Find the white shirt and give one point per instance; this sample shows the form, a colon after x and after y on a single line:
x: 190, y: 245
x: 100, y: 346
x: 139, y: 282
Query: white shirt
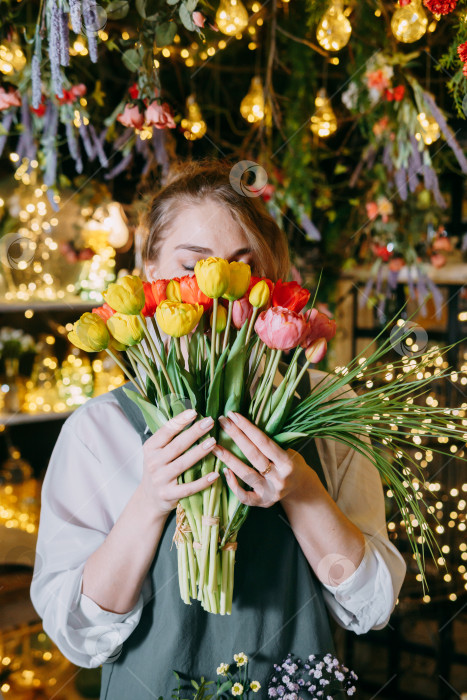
x: 95, y: 467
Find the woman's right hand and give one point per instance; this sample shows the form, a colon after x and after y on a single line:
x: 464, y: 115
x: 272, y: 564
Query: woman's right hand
x: 167, y: 456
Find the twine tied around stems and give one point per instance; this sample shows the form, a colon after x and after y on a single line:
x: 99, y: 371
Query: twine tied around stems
x: 210, y: 520
x: 230, y: 545
x: 182, y: 527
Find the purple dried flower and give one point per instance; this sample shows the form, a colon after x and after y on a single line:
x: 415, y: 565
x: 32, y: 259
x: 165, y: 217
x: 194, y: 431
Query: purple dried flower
x: 91, y: 24
x: 439, y: 199
x: 401, y: 183
x: 75, y: 15
x: 36, y: 70
x: 123, y: 165
x: 437, y: 297
x: 99, y: 148
x: 387, y: 160
x: 447, y: 132
x: 6, y: 124
x: 54, y: 47
x: 73, y: 146
x: 64, y: 39
x: 415, y: 152
x: 87, y: 143
x: 412, y: 173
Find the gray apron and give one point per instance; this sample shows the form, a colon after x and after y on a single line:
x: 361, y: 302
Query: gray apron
x: 277, y: 608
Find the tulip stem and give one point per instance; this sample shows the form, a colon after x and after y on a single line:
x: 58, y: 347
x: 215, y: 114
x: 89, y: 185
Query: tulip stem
x: 215, y: 303
x: 124, y: 370
x: 157, y: 332
x: 227, y: 327
x: 156, y: 353
x: 152, y: 376
x: 255, y: 366
x: 299, y: 377
x: 269, y: 386
x: 134, y: 364
x: 176, y: 342
x: 251, y: 325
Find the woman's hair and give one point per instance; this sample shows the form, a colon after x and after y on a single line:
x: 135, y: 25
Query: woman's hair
x: 192, y: 182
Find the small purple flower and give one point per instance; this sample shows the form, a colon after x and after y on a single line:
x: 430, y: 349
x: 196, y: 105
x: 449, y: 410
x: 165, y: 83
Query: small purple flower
x: 75, y: 15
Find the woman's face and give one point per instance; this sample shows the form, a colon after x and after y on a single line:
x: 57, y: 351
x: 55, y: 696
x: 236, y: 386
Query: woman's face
x: 198, y: 232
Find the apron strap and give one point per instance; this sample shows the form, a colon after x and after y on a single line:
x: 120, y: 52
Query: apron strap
x: 132, y: 411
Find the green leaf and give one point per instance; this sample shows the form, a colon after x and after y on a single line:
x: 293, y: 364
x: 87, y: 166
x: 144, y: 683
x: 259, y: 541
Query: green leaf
x: 147, y: 9
x: 191, y: 5
x: 131, y: 60
x: 215, y: 392
x: 288, y: 437
x: 234, y: 372
x: 3, y: 131
x: 165, y: 33
x: 172, y: 2
x: 185, y: 16
x: 153, y: 416
x: 117, y: 9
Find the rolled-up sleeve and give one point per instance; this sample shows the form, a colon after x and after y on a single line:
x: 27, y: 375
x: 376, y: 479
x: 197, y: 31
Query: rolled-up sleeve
x: 366, y: 599
x: 74, y: 522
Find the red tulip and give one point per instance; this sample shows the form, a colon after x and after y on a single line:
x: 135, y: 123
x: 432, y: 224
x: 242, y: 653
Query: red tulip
x: 318, y: 325
x: 159, y: 290
x: 191, y: 293
x: 105, y: 311
x: 150, y: 306
x: 280, y: 328
x: 290, y: 295
x: 241, y: 312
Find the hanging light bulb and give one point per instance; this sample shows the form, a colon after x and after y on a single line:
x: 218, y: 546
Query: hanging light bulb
x: 409, y: 23
x: 252, y: 105
x: 323, y: 121
x: 12, y: 59
x: 334, y: 30
x: 116, y: 224
x: 430, y: 131
x: 194, y: 126
x: 231, y: 17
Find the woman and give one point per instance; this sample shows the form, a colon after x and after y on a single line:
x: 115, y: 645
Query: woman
x: 105, y: 580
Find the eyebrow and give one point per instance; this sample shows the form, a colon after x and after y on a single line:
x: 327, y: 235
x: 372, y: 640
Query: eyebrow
x: 199, y: 249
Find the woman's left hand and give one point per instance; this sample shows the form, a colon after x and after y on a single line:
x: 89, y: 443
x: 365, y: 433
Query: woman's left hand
x: 277, y: 475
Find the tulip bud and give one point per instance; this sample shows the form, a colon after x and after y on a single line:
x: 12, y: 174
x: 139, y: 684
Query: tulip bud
x: 126, y: 295
x: 126, y: 328
x: 240, y: 275
x: 221, y: 320
x: 316, y: 351
x: 213, y: 276
x: 173, y: 291
x: 241, y: 312
x: 89, y: 333
x: 259, y: 295
x: 176, y: 318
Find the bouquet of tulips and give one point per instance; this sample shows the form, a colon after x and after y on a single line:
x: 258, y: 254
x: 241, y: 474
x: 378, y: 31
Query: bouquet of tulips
x: 236, y: 328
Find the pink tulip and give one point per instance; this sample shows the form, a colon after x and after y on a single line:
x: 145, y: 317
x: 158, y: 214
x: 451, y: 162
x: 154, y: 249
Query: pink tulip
x: 199, y: 19
x: 280, y: 328
x: 78, y: 90
x: 438, y: 260
x: 241, y: 312
x: 131, y: 116
x: 316, y: 351
x: 9, y: 99
x: 318, y: 325
x: 160, y: 116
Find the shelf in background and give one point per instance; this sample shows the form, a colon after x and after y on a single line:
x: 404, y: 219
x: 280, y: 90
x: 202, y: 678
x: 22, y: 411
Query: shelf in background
x: 68, y: 304
x: 23, y: 418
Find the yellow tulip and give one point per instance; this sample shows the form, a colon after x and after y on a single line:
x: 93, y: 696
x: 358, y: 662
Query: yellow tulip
x: 221, y: 320
x: 213, y: 276
x: 259, y: 295
x: 89, y: 333
x: 126, y: 295
x: 240, y: 275
x: 173, y: 292
x: 126, y: 328
x: 176, y: 318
